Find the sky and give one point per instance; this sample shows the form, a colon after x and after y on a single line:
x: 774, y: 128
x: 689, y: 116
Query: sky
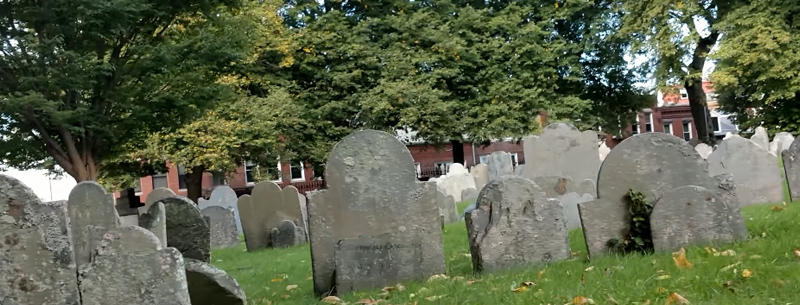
x: 47, y: 189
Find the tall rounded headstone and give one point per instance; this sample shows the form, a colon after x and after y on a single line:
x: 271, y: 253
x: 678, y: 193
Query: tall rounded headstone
x: 223, y: 196
x: 155, y: 195
x: 755, y: 171
x: 91, y: 214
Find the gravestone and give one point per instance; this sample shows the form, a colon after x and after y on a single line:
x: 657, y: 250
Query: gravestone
x: 187, y: 229
x: 569, y: 193
x: 91, y: 213
x: 447, y: 207
x: 519, y: 170
x: 373, y: 197
x: 515, y: 225
x: 791, y: 167
x: 209, y: 285
x: 155, y: 195
x: 223, y: 196
x: 456, y: 181
x: 651, y: 163
x: 253, y: 217
x: 130, y: 267
x: 499, y: 164
x: 481, y: 174
x: 563, y: 151
x: 704, y: 150
x: 603, y: 150
x: 781, y: 142
x: 761, y: 138
x: 304, y: 210
x: 728, y: 135
x: 223, y: 227
x: 287, y: 234
x: 469, y: 195
x: 274, y: 207
x: 155, y: 220
x: 37, y: 265
x: 755, y: 171
x: 291, y: 199
x: 691, y: 215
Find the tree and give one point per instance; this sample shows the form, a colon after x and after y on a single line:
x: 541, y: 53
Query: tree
x: 758, y: 64
x: 674, y: 34
x: 83, y: 83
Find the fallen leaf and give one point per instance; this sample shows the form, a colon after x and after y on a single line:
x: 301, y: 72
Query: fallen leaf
x: 710, y: 250
x: 574, y: 254
x: 458, y: 278
x: 777, y: 283
x: 729, y: 267
x: 437, y: 277
x: 675, y: 298
x: 277, y: 279
x: 331, y: 300
x: 527, y: 284
x: 291, y: 287
x: 746, y: 273
x: 663, y: 277
x: 310, y: 278
x: 285, y: 296
x: 520, y: 289
x: 368, y: 301
x: 434, y: 298
x: 472, y: 282
x: 581, y: 300
x: 755, y: 256
x: 661, y: 290
x: 796, y: 252
x: 541, y: 273
x: 612, y: 300
x: 400, y: 287
x: 777, y: 208
x: 589, y: 269
x: 728, y: 252
x: 727, y: 284
x: 680, y: 259
x: 583, y: 279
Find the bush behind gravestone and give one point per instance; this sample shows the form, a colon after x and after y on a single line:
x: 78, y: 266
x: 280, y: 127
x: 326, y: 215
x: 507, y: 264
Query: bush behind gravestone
x: 639, y: 237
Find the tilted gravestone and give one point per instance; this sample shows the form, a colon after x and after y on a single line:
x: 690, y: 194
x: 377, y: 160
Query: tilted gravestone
x: 91, y: 213
x: 692, y: 215
x: 130, y: 267
x: 155, y: 220
x: 651, y: 163
x: 223, y: 227
x: 755, y: 171
x: 155, y: 195
x: 373, y: 211
x: 187, y: 229
x: 515, y: 225
x: 287, y: 235
x: 223, y: 196
x: 291, y: 199
x: 481, y: 174
x: 791, y: 167
x: 761, y: 138
x: 208, y: 285
x: 38, y: 265
x: 499, y: 164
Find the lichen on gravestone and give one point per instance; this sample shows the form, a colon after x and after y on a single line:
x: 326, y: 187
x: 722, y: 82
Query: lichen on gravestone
x: 187, y: 229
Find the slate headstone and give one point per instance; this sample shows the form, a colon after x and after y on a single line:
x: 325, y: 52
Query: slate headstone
x: 373, y: 191
x: 209, y: 285
x: 37, y: 265
x: 761, y: 138
x: 287, y: 234
x: 91, y: 214
x: 223, y: 196
x: 469, y: 195
x: 499, y: 164
x: 755, y: 171
x: 274, y: 207
x: 791, y: 167
x: 515, y: 225
x: 155, y: 195
x: 187, y: 229
x: 155, y: 220
x: 130, y: 267
x: 223, y: 227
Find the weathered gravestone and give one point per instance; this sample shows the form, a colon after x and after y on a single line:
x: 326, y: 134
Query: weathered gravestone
x: 256, y: 233
x: 447, y: 207
x: 223, y: 196
x: 130, y: 267
x: 692, y: 215
x: 481, y: 174
x: 37, y: 265
x: 373, y: 211
x: 704, y: 150
x: 791, y: 166
x: 499, y: 164
x: 780, y: 143
x: 761, y: 138
x: 155, y: 195
x: 456, y: 181
x: 291, y: 200
x: 569, y: 193
x: 515, y: 225
x: 304, y: 210
x: 651, y: 163
x: 287, y: 234
x: 272, y: 207
x: 208, y: 285
x: 755, y: 171
x: 91, y: 214
x: 223, y: 227
x: 155, y: 220
x: 187, y: 229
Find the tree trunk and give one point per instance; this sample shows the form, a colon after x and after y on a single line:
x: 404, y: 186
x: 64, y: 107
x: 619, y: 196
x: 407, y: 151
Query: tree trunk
x: 194, y: 182
x: 694, y: 88
x: 458, y: 152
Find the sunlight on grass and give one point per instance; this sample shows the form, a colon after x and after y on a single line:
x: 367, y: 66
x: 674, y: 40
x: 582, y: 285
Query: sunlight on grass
x: 634, y: 279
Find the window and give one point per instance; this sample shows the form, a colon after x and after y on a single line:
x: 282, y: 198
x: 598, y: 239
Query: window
x: 668, y: 127
x: 443, y: 167
x: 648, y: 122
x: 418, y: 169
x: 297, y: 170
x: 249, y: 171
x: 514, y: 160
x: 715, y: 123
x: 160, y: 180
x: 181, y: 177
x: 483, y: 159
x: 635, y: 127
x: 218, y: 178
x: 712, y: 96
x: 687, y: 131
x: 684, y: 94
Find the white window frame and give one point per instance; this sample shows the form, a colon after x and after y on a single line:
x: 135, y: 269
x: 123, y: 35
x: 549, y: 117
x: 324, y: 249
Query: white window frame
x: 514, y: 159
x: 687, y: 128
x: 719, y: 126
x: 244, y: 165
x: 635, y: 129
x: 418, y: 169
x: 447, y: 165
x: 684, y: 94
x: 178, y: 168
x: 670, y: 127
x: 302, y: 172
x: 649, y: 115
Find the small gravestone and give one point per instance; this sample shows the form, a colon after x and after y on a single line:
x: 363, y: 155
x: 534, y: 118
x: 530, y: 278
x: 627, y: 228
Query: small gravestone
x: 499, y: 164
x: 223, y: 227
x: 515, y: 225
x: 457, y: 180
x: 130, y: 267
x: 91, y: 214
x: 563, y: 151
x: 223, y: 196
x: 704, y: 150
x: 481, y: 174
x: 692, y: 215
x: 155, y: 195
x: 761, y: 138
x: 755, y: 171
x: 209, y: 285
x: 291, y: 198
x: 287, y: 234
x: 37, y: 265
x: 187, y: 229
x: 373, y: 198
x: 447, y: 207
x: 791, y: 167
x: 155, y: 220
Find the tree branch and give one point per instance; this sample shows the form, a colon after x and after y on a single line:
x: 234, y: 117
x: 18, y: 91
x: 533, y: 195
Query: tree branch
x: 50, y: 145
x: 74, y: 155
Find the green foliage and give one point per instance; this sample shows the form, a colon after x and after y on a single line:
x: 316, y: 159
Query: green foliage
x: 639, y: 239
x: 758, y: 62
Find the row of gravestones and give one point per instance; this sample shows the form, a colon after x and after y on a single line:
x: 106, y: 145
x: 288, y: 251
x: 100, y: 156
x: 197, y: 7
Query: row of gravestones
x: 76, y: 252
x: 273, y: 218
x: 375, y: 224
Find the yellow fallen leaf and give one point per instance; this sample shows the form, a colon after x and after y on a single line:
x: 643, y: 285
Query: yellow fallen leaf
x: 368, y: 301
x: 680, y: 259
x: 331, y: 300
x: 796, y: 252
x: 581, y: 300
x: 310, y: 278
x: 541, y: 274
x: 458, y: 278
x: 612, y: 300
x: 755, y: 256
x: 285, y: 296
x: 675, y: 298
x: 710, y: 250
x: 777, y: 208
x: 291, y: 287
x: 589, y: 269
x: 434, y: 298
x: 729, y: 267
x: 400, y: 287
x: 661, y: 290
x: 437, y: 277
x: 520, y: 289
x: 728, y: 252
x: 746, y: 273
x: 663, y: 277
x: 277, y: 279
x: 472, y: 282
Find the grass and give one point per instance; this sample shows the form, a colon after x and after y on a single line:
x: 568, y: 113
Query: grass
x: 635, y: 279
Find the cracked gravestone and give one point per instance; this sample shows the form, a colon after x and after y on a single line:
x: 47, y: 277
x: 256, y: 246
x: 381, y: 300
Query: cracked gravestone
x: 187, y: 229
